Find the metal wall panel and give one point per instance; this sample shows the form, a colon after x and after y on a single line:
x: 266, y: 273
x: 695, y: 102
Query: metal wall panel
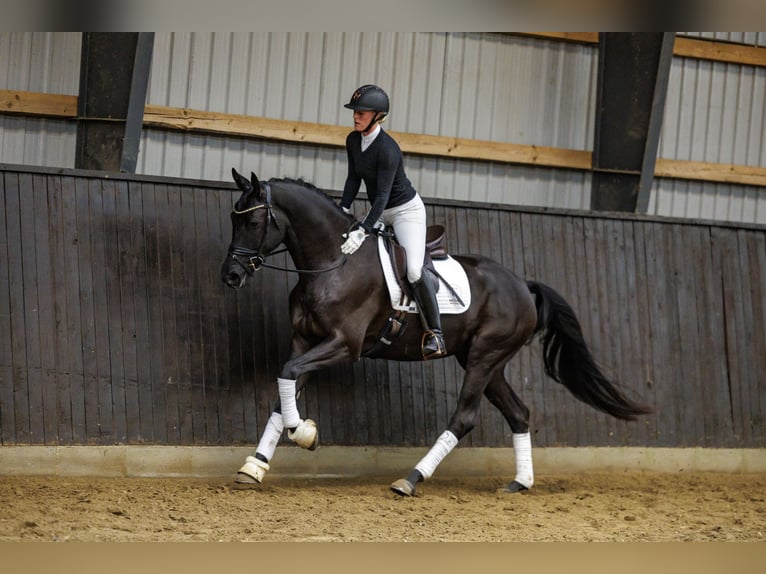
x: 481, y: 86
x: 749, y: 38
x: 715, y: 112
x: 45, y: 62
x: 486, y: 86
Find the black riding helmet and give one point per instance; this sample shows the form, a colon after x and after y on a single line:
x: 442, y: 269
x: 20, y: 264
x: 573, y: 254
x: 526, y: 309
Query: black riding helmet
x: 370, y: 98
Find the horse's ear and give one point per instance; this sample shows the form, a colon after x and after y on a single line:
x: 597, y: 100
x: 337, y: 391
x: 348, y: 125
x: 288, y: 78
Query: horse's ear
x: 241, y: 182
x: 256, y: 185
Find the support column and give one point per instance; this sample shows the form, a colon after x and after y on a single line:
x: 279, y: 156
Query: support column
x: 114, y: 76
x: 632, y: 85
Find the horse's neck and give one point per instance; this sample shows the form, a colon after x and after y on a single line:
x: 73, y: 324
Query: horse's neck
x: 315, y: 227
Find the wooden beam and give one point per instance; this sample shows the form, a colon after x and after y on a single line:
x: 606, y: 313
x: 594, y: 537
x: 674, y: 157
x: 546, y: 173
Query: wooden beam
x: 685, y: 47
x: 580, y: 37
x: 720, y: 52
x: 37, y: 104
x: 713, y: 172
x: 65, y: 107
x: 324, y: 134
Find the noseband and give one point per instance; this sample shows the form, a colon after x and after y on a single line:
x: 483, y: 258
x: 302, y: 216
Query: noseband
x: 255, y: 258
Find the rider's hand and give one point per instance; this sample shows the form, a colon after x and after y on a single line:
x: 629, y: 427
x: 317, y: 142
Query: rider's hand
x: 354, y: 241
x: 346, y: 210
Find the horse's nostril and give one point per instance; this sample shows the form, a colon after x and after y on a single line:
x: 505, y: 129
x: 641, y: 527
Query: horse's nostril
x: 233, y: 279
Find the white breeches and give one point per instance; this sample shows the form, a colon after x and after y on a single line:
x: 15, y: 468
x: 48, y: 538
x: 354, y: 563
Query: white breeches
x: 409, y: 223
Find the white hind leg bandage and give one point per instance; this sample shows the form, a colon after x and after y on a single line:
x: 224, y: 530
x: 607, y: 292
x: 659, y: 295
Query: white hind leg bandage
x: 522, y: 448
x: 271, y: 435
x: 290, y: 416
x: 439, y: 451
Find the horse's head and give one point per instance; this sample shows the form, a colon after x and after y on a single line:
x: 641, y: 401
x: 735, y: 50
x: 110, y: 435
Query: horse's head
x: 255, y: 231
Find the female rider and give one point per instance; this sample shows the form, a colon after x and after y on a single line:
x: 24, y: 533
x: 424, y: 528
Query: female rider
x: 375, y: 158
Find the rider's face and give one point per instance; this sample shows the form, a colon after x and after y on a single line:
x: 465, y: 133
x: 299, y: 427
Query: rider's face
x: 362, y: 119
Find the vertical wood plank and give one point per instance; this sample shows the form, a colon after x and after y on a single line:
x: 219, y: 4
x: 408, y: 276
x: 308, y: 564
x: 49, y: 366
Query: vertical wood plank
x: 757, y: 253
x: 140, y: 245
x: 112, y: 378
x: 646, y: 331
x: 7, y: 416
x: 31, y: 306
x: 62, y: 372
x: 183, y: 219
x: 126, y: 401
x: 47, y: 424
x: 13, y: 398
x: 154, y: 427
x: 87, y: 306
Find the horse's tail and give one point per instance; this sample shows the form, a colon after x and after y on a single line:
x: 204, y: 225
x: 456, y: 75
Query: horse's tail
x: 568, y: 360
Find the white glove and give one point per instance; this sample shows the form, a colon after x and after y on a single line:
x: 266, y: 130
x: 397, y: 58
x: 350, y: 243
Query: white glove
x: 346, y: 210
x: 354, y: 241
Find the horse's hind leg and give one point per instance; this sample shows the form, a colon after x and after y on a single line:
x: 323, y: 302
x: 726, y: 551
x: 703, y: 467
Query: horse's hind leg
x: 502, y: 396
x: 462, y: 422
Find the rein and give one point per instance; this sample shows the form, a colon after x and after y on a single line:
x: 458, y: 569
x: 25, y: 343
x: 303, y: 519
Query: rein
x: 255, y: 258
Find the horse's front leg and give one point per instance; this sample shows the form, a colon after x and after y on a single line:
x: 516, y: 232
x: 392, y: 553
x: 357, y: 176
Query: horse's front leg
x: 331, y: 351
x: 303, y: 360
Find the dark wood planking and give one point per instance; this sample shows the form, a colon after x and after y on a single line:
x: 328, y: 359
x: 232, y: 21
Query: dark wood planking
x: 7, y: 415
x: 47, y: 306
x: 161, y: 287
x: 112, y: 374
x: 154, y: 421
x: 15, y: 411
x: 33, y: 284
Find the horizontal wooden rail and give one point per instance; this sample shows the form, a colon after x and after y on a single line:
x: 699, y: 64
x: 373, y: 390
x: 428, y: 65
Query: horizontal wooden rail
x: 62, y: 106
x: 684, y: 47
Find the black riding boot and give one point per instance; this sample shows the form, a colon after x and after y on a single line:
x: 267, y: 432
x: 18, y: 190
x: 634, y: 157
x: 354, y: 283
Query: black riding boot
x: 433, y: 341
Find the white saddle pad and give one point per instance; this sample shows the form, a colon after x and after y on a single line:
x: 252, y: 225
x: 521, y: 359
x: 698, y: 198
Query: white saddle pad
x: 448, y: 268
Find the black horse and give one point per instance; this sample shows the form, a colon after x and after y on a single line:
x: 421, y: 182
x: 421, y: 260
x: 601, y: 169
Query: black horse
x: 340, y: 305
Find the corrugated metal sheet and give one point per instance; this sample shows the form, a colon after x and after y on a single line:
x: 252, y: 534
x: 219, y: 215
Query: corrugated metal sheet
x: 485, y: 86
x: 749, y: 38
x: 39, y: 62
x: 480, y: 86
x: 715, y: 112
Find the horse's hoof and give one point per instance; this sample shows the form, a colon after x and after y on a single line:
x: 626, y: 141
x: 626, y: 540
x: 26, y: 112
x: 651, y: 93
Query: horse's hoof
x: 252, y: 471
x: 243, y: 478
x: 403, y: 487
x: 514, y: 486
x: 305, y: 435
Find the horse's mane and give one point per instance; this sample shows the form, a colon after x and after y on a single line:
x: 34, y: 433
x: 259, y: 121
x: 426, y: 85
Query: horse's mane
x: 300, y: 182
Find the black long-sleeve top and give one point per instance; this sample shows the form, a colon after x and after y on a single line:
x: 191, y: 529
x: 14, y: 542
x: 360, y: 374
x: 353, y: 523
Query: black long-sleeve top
x: 381, y: 167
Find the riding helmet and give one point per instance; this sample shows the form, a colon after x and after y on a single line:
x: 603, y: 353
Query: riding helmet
x: 369, y: 98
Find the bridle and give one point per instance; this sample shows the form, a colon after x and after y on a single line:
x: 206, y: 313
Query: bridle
x: 251, y: 260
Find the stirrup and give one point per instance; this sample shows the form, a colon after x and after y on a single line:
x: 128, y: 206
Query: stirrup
x: 440, y: 350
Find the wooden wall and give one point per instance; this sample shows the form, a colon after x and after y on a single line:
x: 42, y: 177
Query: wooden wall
x: 116, y: 329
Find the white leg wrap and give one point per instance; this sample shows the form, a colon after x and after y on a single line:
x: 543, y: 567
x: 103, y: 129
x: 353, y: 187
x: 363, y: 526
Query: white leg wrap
x: 439, y: 451
x: 290, y: 416
x: 271, y: 434
x: 522, y: 448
